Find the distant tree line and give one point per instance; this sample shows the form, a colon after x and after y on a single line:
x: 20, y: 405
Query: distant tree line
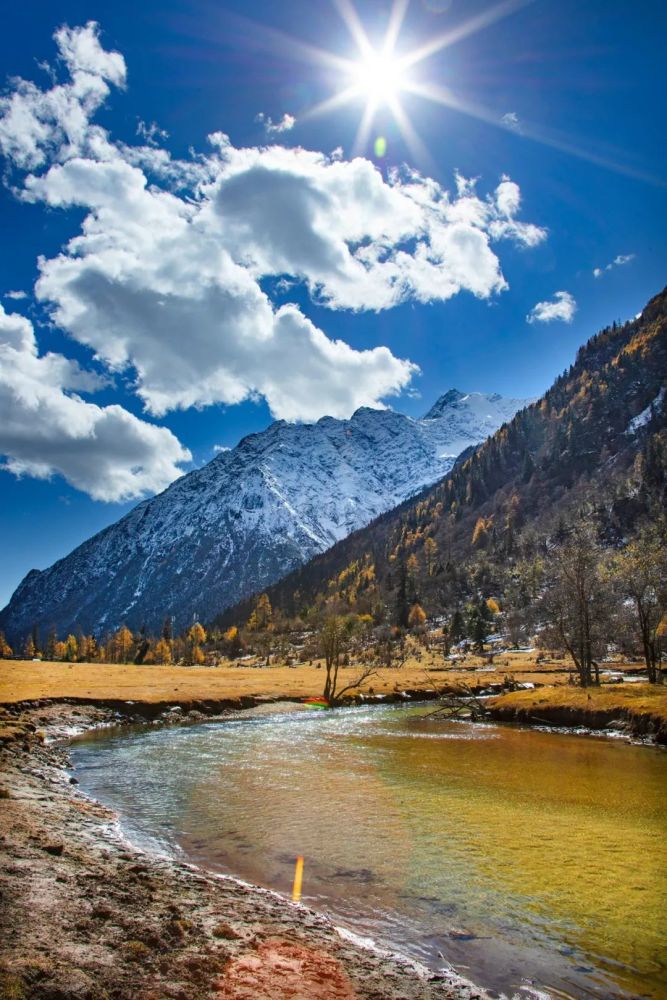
x: 575, y: 594
x: 119, y: 646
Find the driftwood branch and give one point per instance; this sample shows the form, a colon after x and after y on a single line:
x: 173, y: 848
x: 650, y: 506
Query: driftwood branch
x: 357, y: 682
x: 453, y: 706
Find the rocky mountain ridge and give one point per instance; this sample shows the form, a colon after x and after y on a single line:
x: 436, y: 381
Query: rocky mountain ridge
x: 249, y: 516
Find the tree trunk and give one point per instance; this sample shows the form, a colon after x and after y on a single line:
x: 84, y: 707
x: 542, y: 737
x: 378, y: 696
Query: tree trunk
x: 650, y: 657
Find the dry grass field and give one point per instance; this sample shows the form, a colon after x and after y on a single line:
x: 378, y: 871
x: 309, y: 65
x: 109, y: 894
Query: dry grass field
x: 23, y: 680
x: 631, y: 699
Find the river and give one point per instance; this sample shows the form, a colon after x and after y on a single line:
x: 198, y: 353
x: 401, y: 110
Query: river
x: 515, y: 855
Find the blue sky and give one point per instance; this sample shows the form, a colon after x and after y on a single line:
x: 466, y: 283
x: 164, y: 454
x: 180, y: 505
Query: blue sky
x: 563, y: 98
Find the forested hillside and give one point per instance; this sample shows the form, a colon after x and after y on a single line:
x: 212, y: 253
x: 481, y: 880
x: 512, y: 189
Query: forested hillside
x: 592, y: 450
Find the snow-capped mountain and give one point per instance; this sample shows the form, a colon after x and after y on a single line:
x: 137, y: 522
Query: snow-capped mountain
x: 249, y: 516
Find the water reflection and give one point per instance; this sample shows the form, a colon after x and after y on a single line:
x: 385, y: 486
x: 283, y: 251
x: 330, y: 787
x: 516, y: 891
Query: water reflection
x: 508, y: 852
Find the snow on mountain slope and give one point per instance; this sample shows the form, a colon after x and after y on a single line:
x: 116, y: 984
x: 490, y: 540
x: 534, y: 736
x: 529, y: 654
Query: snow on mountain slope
x: 249, y: 516
x: 471, y: 414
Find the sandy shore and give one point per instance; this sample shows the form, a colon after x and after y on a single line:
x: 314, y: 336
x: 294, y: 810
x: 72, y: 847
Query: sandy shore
x: 84, y: 916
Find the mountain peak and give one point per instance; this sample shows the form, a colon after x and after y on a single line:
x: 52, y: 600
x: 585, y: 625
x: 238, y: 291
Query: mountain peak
x: 449, y: 399
x: 250, y: 516
x: 484, y: 410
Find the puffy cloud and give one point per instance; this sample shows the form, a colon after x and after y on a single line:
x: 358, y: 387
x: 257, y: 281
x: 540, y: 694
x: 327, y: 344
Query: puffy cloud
x: 164, y: 279
x: 37, y: 124
x: 150, y: 265
x: 508, y: 197
x: 151, y: 285
x: 80, y: 49
x: 334, y: 225
x: 286, y: 123
x: 348, y: 378
x: 505, y: 225
x: 618, y: 261
x: 359, y: 241
x: 562, y: 307
x: 46, y: 429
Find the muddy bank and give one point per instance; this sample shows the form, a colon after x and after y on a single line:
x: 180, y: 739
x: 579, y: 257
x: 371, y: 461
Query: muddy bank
x: 84, y: 916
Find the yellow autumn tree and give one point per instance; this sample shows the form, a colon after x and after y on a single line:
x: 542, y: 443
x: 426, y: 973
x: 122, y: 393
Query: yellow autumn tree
x: 233, y: 642
x: 123, y: 642
x: 430, y: 555
x: 416, y: 617
x: 262, y: 614
x: 481, y: 531
x: 412, y: 566
x: 5, y: 649
x: 195, y: 638
x: 197, y: 634
x: 86, y: 648
x: 71, y: 648
x: 162, y: 652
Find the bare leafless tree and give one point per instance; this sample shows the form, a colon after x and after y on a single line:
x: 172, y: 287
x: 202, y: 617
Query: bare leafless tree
x: 335, y: 635
x: 576, y: 603
x: 639, y: 574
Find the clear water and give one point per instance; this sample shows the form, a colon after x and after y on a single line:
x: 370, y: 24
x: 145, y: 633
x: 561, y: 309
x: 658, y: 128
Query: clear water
x: 514, y: 855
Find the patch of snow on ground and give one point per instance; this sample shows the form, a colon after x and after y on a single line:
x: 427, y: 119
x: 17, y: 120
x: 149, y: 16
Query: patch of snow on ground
x: 643, y: 418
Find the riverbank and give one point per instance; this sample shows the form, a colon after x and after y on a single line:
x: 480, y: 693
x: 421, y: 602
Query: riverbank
x: 540, y: 693
x: 638, y: 709
x: 84, y: 915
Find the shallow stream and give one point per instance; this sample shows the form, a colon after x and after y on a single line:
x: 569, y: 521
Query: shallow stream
x: 515, y: 855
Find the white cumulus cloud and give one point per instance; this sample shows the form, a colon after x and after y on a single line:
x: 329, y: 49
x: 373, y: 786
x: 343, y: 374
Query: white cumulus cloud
x: 36, y: 124
x: 80, y: 49
x: 167, y: 278
x: 47, y: 429
x: 562, y: 307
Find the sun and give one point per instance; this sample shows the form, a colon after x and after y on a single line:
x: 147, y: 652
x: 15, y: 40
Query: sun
x: 379, y: 77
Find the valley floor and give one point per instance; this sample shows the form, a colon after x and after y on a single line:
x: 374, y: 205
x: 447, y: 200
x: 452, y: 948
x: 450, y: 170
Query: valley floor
x: 424, y: 670
x: 84, y: 916
x: 548, y: 698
